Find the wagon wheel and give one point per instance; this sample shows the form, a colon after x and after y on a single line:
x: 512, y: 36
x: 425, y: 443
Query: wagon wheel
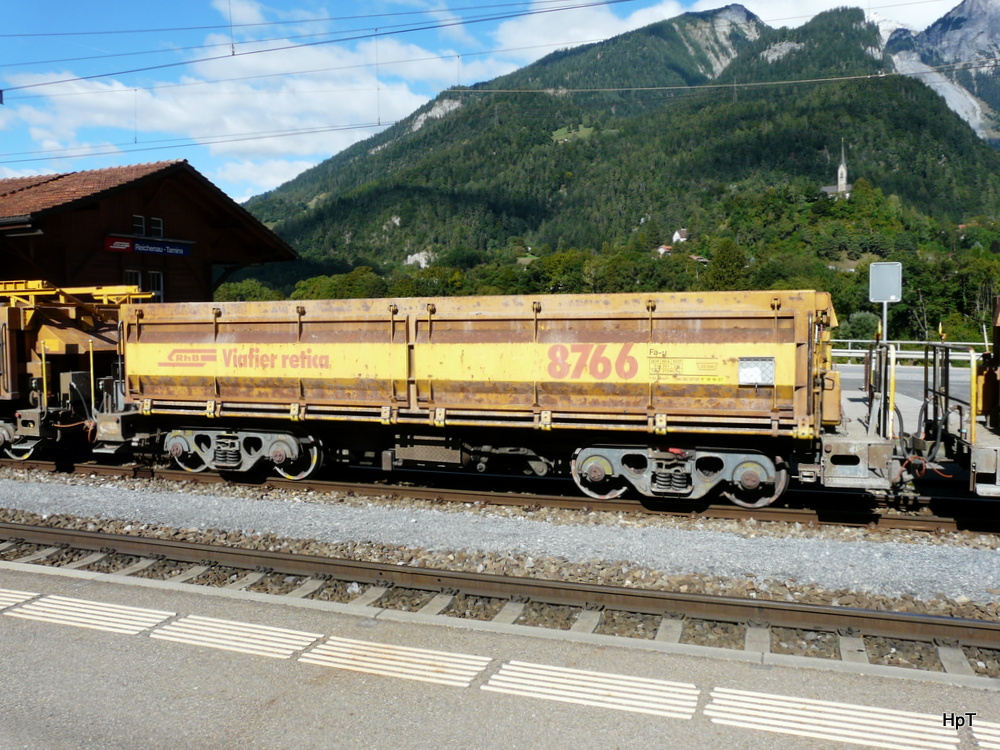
x: 598, y: 482
x: 20, y: 454
x: 760, y: 497
x: 611, y: 494
x: 302, y: 467
x: 191, y: 462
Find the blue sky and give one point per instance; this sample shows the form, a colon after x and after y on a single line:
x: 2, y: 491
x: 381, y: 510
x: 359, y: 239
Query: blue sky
x: 251, y: 94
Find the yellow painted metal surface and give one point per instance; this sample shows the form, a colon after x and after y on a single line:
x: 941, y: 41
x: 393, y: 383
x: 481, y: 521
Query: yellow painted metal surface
x: 63, y: 339
x: 659, y: 362
x: 46, y: 330
x: 600, y: 363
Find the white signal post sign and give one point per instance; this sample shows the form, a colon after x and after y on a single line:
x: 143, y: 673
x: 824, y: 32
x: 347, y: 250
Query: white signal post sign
x: 885, y: 285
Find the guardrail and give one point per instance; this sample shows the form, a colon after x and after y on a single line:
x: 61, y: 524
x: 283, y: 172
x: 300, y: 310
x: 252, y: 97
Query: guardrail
x: 917, y: 351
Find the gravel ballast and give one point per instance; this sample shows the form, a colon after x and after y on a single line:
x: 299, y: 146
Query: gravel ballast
x: 959, y: 576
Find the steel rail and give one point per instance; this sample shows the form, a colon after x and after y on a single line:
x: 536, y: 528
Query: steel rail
x: 805, y: 516
x: 981, y: 633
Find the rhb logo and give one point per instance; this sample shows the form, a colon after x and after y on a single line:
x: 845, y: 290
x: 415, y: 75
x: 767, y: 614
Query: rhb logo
x: 189, y: 358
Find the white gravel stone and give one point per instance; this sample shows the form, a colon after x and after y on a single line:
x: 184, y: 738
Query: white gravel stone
x: 920, y: 568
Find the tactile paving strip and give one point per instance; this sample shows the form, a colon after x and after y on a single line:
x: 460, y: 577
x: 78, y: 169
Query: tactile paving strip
x: 229, y: 635
x: 676, y: 700
x: 81, y: 613
x: 987, y: 734
x: 9, y: 597
x: 397, y: 661
x: 824, y: 720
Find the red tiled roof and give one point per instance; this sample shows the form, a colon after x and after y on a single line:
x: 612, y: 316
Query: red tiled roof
x: 24, y: 196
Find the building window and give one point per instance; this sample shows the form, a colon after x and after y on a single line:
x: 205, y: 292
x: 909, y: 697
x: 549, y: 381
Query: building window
x: 133, y: 277
x: 155, y: 285
x: 155, y: 227
x: 138, y: 225
x: 154, y: 282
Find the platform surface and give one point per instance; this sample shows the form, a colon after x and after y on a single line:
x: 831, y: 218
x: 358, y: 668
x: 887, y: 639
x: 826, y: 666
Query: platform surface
x: 171, y: 680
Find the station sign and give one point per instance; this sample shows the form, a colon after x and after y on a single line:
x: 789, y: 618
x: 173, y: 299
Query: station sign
x: 147, y: 246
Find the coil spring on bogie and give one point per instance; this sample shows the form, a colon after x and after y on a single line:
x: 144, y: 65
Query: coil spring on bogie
x: 227, y: 457
x: 673, y: 481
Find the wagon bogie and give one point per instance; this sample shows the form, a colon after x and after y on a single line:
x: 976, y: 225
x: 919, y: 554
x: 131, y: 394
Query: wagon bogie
x: 235, y: 449
x: 746, y: 477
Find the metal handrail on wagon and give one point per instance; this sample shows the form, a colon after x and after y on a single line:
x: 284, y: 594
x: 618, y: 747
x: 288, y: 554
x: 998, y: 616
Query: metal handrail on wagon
x: 940, y: 401
x: 880, y: 387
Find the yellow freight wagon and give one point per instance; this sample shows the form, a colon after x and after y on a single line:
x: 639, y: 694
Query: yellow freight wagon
x: 672, y: 394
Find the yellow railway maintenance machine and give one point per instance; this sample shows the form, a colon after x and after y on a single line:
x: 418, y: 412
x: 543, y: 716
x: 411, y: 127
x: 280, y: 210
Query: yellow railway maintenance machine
x: 58, y: 350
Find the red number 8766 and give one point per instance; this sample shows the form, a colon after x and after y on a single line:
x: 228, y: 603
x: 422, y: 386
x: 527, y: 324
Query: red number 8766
x: 592, y: 359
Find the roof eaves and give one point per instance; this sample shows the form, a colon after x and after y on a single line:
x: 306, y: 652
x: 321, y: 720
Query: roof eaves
x: 4, y: 220
x: 73, y: 201
x: 253, y: 222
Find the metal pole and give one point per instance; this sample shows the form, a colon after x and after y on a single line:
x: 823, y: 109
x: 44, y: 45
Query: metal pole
x: 885, y: 321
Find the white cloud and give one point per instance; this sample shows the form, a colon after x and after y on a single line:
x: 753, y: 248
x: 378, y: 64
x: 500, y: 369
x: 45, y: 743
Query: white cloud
x: 341, y: 91
x: 6, y: 172
x: 7, y: 118
x: 243, y: 11
x: 258, y: 176
x: 535, y: 33
x: 452, y: 27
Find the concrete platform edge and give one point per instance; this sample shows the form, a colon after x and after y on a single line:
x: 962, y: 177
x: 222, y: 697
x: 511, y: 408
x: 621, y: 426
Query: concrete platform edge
x: 684, y: 649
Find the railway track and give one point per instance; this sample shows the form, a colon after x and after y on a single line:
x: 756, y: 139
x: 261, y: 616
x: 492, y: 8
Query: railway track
x: 946, y: 635
x: 829, y: 508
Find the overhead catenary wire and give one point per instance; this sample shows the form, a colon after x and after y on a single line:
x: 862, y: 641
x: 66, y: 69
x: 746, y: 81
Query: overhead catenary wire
x: 305, y: 45
x: 688, y: 90
x: 311, y: 71
x: 557, y: 5
x: 292, y: 22
x: 354, y: 35
x: 212, y: 139
x: 394, y: 14
x: 171, y: 143
x: 944, y: 68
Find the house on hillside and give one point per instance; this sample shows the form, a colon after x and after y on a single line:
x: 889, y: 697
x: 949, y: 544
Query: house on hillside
x: 162, y: 226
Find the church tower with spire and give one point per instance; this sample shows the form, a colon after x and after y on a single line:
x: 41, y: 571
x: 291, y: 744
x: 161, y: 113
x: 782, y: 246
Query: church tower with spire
x: 843, y: 188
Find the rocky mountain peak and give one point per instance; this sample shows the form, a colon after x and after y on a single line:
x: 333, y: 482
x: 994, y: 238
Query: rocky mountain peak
x: 968, y: 33
x: 971, y: 30
x: 714, y: 34
x: 887, y: 27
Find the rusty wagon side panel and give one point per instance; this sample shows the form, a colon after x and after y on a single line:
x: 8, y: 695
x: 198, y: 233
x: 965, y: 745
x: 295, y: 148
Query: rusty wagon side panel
x: 729, y: 362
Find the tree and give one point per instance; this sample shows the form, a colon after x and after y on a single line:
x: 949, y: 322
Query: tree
x: 859, y: 326
x: 248, y: 290
x: 727, y: 268
x: 361, y: 283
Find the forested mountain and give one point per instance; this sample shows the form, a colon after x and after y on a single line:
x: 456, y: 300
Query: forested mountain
x: 583, y: 186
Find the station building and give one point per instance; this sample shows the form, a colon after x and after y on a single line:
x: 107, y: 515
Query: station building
x: 161, y: 226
